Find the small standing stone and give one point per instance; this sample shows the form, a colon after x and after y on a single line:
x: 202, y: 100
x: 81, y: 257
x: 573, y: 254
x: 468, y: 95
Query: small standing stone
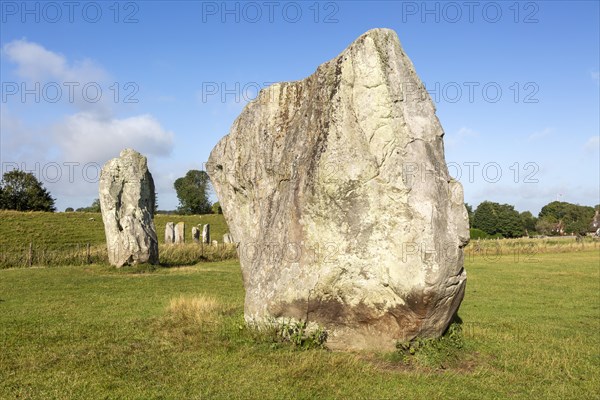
x: 206, y: 234
x: 195, y: 234
x: 227, y: 238
x: 215, y: 243
x: 170, y: 233
x: 180, y: 232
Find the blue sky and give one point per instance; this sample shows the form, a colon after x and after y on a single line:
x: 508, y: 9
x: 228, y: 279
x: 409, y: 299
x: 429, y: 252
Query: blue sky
x: 516, y: 85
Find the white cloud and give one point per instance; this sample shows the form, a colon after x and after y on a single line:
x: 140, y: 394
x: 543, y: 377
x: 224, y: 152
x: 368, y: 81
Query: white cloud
x: 36, y: 63
x: 80, y: 84
x: 540, y: 134
x: 89, y: 133
x: 463, y: 135
x: 92, y: 133
x: 593, y: 144
x: 85, y: 137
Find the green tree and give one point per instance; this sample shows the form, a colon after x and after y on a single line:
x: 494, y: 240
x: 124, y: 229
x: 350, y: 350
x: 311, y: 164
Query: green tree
x: 545, y: 225
x: 509, y: 221
x: 22, y: 191
x: 95, y: 207
x: 494, y: 218
x: 69, y: 209
x: 216, y: 208
x: 485, y: 217
x: 192, y: 192
x: 575, y: 218
x: 528, y: 221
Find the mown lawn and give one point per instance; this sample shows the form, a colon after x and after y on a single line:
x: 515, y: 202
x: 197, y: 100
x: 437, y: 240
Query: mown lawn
x: 531, y: 331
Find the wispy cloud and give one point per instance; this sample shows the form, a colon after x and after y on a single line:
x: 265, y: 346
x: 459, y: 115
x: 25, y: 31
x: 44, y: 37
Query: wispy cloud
x: 540, y: 134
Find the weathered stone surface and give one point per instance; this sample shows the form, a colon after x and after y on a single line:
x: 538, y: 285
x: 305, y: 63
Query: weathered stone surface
x: 180, y: 232
x: 127, y: 203
x: 337, y: 190
x: 214, y: 243
x: 169, y: 233
x: 196, y: 234
x: 206, y: 234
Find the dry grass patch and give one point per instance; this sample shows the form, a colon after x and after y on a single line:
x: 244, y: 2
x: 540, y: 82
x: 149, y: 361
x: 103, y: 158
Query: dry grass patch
x: 191, y: 321
x: 198, y: 310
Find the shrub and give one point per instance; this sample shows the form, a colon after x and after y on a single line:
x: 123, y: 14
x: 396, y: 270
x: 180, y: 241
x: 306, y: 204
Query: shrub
x: 478, y: 234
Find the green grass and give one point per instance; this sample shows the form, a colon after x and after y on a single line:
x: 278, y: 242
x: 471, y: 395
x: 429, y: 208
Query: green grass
x: 62, y: 238
x: 53, y: 230
x: 531, y: 330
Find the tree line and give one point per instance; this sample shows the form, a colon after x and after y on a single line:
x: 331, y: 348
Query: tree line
x: 556, y: 218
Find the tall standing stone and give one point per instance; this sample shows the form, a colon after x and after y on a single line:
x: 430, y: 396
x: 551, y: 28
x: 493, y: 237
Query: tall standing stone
x: 180, y: 233
x: 169, y: 233
x: 127, y: 201
x: 206, y: 234
x: 337, y: 190
x: 195, y: 234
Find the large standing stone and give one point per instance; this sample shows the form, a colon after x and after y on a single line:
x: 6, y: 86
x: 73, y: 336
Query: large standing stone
x: 127, y: 203
x: 169, y: 233
x: 180, y: 232
x: 337, y: 190
x: 206, y: 234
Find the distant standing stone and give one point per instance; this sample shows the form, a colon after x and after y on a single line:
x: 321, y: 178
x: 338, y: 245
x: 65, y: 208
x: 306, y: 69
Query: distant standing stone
x: 215, y: 243
x: 227, y: 238
x: 170, y: 233
x: 127, y: 197
x: 195, y: 234
x: 206, y: 234
x: 180, y: 233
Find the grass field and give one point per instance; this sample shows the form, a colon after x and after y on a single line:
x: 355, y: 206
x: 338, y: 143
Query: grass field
x: 62, y: 238
x: 18, y: 229
x: 531, y: 330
